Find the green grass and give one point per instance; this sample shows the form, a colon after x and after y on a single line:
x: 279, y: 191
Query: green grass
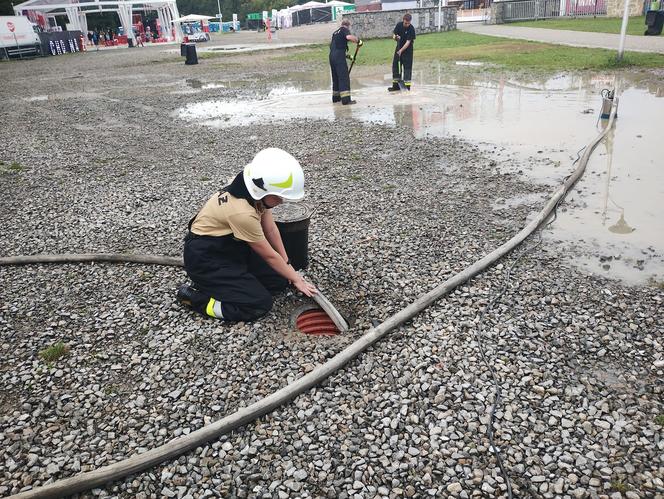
x: 211, y: 54
x: 660, y: 420
x: 635, y: 26
x: 54, y: 352
x: 500, y: 52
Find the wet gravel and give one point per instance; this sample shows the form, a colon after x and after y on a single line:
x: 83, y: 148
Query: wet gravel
x: 103, y: 165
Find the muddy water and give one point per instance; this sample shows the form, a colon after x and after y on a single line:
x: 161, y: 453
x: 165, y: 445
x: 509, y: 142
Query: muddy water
x: 612, y: 222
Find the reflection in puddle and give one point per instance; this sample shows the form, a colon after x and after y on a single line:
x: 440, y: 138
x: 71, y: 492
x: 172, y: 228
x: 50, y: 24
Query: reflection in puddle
x: 283, y: 90
x: 194, y: 83
x: 530, y: 127
x: 469, y: 63
x: 199, y: 85
x: 36, y: 98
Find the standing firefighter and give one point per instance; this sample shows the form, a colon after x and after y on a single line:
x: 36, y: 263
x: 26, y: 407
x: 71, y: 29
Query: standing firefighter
x: 234, y: 253
x: 402, y: 63
x: 340, y: 76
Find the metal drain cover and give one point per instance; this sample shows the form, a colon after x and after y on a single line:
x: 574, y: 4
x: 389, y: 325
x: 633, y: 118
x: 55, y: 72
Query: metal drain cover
x: 316, y: 322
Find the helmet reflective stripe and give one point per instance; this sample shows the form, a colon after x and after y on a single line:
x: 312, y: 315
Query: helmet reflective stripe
x: 274, y: 171
x: 213, y: 309
x: 286, y: 183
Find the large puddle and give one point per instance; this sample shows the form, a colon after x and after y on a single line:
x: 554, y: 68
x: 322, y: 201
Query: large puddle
x: 612, y: 223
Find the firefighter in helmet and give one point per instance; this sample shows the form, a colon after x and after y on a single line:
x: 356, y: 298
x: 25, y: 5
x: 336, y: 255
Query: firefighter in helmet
x: 233, y: 252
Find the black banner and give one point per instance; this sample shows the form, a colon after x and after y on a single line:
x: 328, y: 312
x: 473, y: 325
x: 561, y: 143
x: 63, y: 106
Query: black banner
x: 61, y: 42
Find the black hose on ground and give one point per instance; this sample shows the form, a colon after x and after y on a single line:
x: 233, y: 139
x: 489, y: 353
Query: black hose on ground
x: 180, y: 445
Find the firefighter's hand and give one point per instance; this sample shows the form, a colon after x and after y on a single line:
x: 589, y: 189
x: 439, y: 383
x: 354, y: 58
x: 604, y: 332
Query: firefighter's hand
x: 305, y: 287
x: 396, y: 37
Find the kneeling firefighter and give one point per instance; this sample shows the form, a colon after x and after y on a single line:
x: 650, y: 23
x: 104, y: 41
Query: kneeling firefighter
x: 233, y: 252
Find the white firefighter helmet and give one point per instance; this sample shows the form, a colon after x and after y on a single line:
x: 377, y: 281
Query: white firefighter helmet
x: 274, y: 171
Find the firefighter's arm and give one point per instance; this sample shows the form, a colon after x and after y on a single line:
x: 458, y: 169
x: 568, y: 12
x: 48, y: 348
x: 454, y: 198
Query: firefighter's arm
x: 277, y: 263
x: 354, y: 39
x: 405, y: 46
x: 272, y: 234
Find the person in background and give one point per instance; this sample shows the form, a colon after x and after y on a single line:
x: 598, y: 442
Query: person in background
x: 233, y: 252
x: 338, y: 66
x: 402, y: 62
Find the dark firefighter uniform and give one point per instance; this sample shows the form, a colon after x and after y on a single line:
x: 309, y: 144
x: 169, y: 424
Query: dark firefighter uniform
x: 340, y: 76
x: 403, y: 68
x: 233, y: 282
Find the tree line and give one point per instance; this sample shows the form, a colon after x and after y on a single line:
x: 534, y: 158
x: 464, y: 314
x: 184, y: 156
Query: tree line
x: 230, y: 7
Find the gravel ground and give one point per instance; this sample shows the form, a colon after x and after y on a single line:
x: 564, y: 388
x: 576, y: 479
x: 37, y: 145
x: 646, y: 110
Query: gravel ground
x: 102, y: 165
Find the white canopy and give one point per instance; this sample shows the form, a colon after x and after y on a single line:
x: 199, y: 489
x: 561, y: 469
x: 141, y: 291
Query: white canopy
x: 307, y: 6
x: 77, y: 10
x: 191, y: 18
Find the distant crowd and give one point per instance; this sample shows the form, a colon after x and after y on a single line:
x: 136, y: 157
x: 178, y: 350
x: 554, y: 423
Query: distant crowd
x: 107, y: 37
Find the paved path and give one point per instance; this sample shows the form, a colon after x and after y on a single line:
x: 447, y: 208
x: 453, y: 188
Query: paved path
x: 567, y: 37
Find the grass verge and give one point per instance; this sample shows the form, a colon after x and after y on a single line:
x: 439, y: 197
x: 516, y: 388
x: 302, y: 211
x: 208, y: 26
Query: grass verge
x: 635, y: 26
x: 503, y: 52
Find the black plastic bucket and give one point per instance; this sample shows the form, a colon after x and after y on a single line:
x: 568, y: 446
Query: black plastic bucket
x: 192, y: 58
x: 292, y: 220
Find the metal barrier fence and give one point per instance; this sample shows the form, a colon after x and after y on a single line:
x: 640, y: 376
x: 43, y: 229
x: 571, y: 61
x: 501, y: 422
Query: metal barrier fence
x: 522, y: 10
x: 576, y: 8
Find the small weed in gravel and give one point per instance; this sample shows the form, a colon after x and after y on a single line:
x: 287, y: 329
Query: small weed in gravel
x: 14, y: 167
x: 660, y: 420
x: 619, y: 486
x: 54, y: 352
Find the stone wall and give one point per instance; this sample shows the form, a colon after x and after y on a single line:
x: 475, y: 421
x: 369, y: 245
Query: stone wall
x: 495, y: 14
x: 614, y: 8
x: 380, y: 24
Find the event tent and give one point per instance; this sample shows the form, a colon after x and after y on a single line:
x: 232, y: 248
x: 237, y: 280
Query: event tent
x: 43, y: 11
x: 192, y: 18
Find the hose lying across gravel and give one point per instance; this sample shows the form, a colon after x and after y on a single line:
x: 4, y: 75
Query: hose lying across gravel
x: 178, y: 446
x: 92, y: 257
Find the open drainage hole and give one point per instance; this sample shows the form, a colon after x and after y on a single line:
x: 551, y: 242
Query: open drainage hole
x: 316, y: 322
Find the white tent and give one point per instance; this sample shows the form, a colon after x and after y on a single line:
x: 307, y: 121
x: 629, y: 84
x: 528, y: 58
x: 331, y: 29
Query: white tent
x: 284, y: 19
x: 336, y: 3
x: 77, y: 10
x: 307, y: 6
x: 192, y: 18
